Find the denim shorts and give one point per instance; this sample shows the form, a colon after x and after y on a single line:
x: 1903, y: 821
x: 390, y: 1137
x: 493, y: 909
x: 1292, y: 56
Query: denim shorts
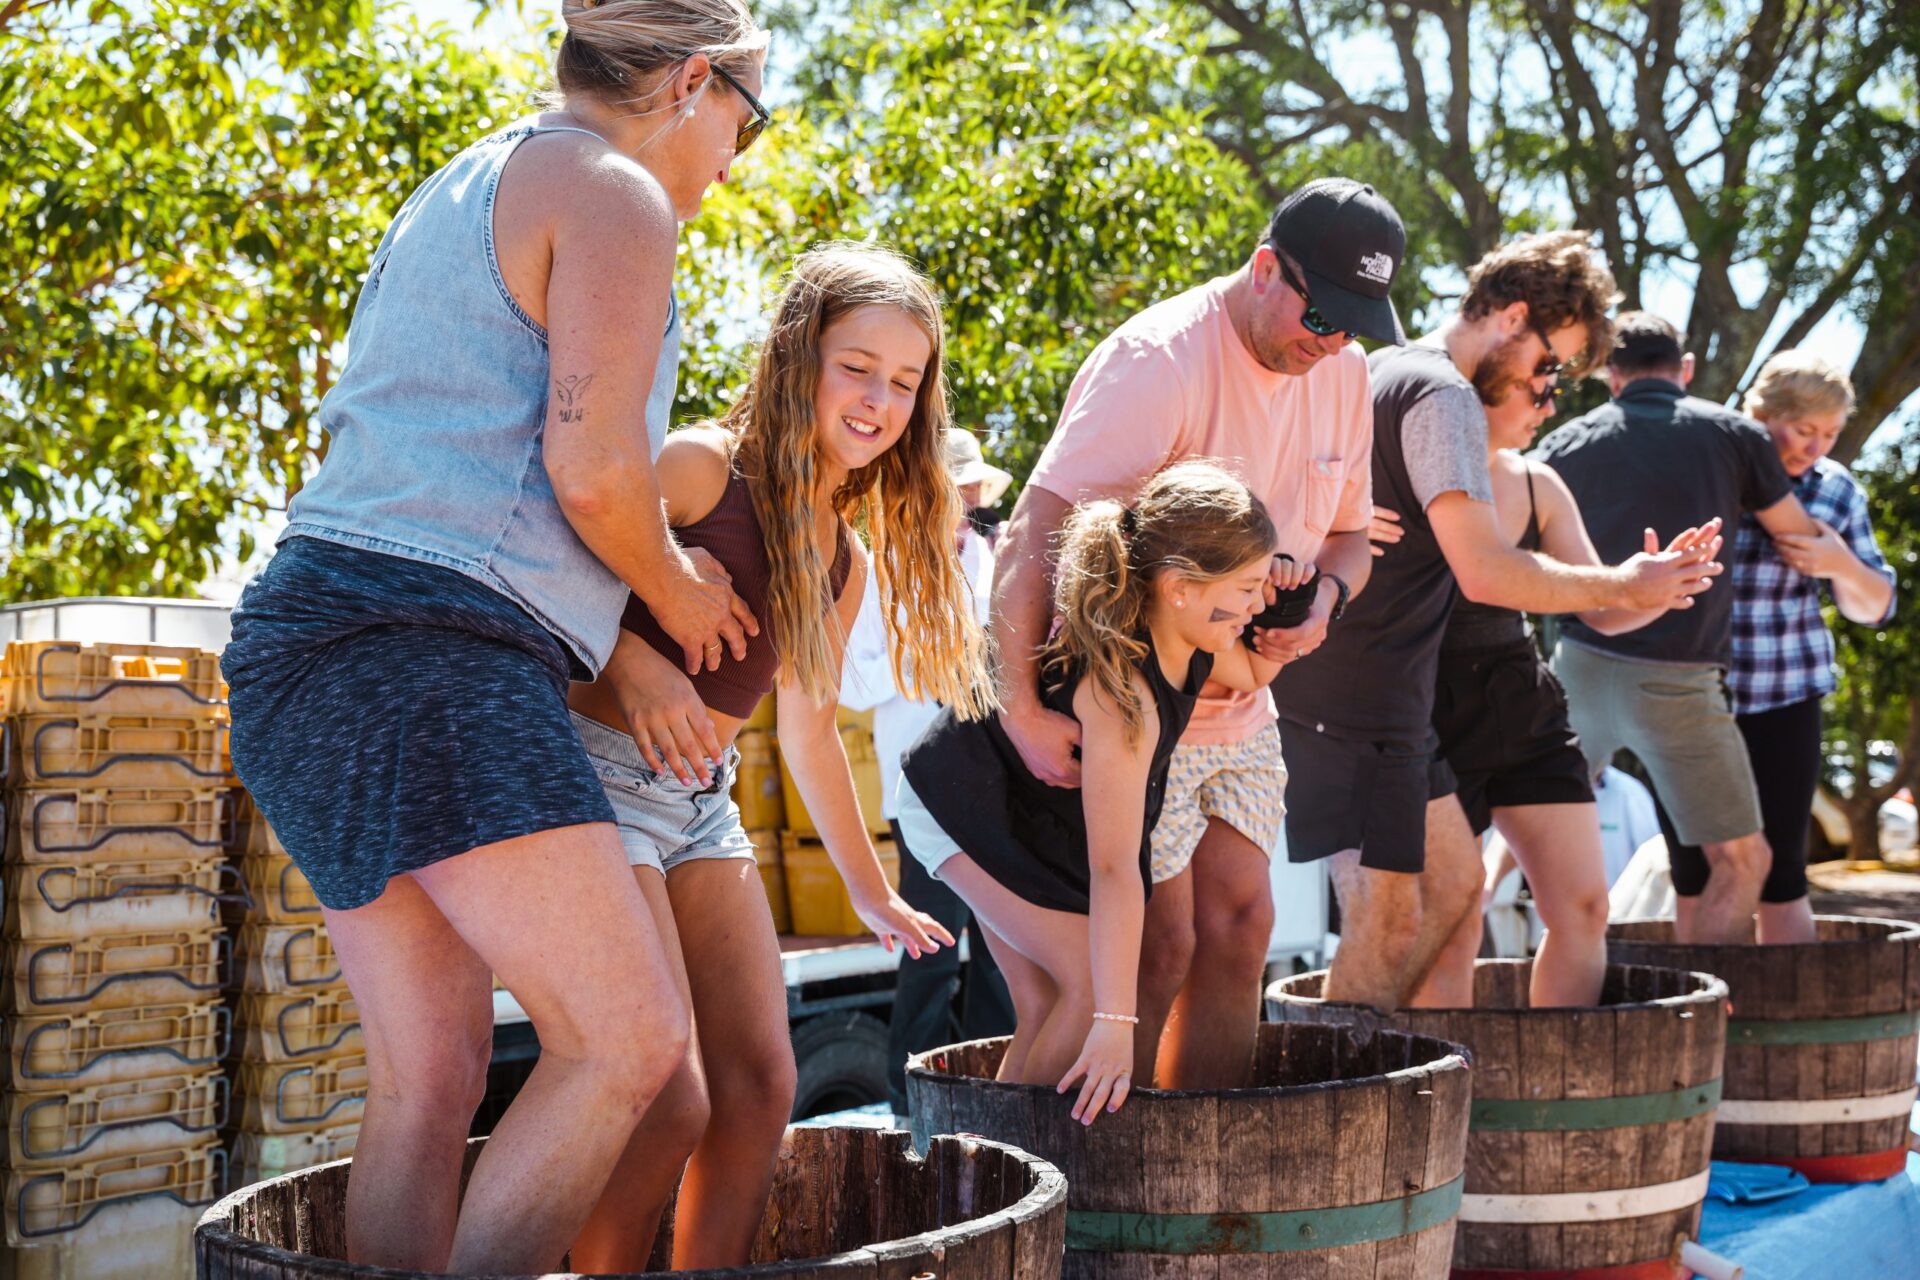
x: 664, y: 822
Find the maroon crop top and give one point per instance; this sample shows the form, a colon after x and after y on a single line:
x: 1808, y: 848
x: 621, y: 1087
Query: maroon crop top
x: 731, y: 532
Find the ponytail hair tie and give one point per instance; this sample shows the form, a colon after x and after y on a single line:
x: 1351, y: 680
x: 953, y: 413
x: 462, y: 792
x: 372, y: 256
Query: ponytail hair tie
x: 1129, y: 522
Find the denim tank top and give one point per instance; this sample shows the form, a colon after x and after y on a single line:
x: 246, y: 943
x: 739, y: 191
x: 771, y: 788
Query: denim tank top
x: 435, y: 424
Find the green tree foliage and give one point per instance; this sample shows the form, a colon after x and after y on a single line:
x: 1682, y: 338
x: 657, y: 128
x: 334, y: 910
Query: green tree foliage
x: 1768, y: 151
x: 1052, y: 176
x: 194, y: 188
x: 1878, y: 700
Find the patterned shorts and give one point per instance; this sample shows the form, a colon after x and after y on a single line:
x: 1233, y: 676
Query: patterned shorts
x: 1244, y: 784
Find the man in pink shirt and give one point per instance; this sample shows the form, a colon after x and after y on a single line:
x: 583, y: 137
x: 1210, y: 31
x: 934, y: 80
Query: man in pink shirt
x: 1256, y: 370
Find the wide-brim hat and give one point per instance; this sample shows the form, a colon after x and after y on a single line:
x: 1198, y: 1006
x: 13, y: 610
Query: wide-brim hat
x: 968, y: 464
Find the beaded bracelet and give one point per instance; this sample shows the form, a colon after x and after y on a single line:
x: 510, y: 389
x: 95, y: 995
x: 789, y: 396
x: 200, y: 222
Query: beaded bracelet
x: 1117, y: 1017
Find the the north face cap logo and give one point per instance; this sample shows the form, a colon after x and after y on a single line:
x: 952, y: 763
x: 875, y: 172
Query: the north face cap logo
x: 1377, y: 266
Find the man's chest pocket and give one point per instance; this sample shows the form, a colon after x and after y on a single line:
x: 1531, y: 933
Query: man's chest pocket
x: 1326, y: 478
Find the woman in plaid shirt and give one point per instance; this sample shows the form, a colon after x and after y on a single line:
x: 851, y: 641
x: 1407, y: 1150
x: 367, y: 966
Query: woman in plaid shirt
x: 1782, y: 651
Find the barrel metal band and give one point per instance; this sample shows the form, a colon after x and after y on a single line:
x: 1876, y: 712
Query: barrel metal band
x: 1586, y: 1206
x: 1289, y: 1231
x: 1535, y: 1115
x: 1875, y: 1026
x: 1883, y: 1106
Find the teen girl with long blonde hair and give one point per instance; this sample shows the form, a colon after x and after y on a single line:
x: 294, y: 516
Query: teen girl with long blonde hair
x: 843, y: 422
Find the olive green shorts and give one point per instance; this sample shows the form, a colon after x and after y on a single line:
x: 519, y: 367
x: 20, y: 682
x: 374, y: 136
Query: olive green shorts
x: 1676, y: 718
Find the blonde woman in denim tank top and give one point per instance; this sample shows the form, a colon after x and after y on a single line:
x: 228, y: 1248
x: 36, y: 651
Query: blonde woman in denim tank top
x: 399, y: 672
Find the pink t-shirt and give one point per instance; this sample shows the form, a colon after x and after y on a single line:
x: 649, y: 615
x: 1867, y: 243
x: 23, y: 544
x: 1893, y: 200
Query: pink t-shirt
x: 1175, y: 383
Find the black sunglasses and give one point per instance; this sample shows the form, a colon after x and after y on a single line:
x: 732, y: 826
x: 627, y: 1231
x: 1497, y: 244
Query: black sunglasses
x: 1549, y: 366
x: 753, y: 128
x: 1310, y: 318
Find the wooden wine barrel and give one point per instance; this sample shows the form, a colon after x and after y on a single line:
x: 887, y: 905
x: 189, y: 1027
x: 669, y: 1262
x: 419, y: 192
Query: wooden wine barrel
x: 848, y: 1204
x: 1588, y: 1151
x: 1344, y: 1160
x: 1820, y: 1046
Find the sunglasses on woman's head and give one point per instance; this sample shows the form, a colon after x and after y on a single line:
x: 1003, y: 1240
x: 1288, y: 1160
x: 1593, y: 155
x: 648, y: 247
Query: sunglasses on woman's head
x: 1310, y: 318
x: 753, y: 128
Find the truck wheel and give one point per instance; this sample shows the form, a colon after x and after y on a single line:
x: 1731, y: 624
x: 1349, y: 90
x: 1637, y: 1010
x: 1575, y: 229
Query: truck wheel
x: 841, y: 1060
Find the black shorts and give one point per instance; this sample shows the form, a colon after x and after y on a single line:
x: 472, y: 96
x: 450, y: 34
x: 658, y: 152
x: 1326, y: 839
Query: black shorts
x: 1784, y: 746
x: 1371, y: 796
x: 1501, y: 718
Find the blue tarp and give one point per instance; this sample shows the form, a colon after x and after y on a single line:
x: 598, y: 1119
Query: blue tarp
x: 1869, y: 1231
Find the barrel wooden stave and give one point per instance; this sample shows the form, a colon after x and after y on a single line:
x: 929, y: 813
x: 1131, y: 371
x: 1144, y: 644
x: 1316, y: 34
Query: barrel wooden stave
x: 1253, y: 1152
x: 1623, y: 1047
x: 971, y: 1210
x: 1860, y: 967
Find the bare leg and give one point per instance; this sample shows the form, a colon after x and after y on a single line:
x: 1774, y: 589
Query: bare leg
x: 1209, y: 1040
x: 619, y: 1233
x: 1034, y: 997
x: 1379, y: 914
x: 1056, y: 941
x: 1166, y: 956
x: 740, y: 1017
x: 1683, y: 916
x: 558, y: 916
x: 1440, y: 968
x: 1787, y: 922
x: 1558, y: 846
x: 1724, y: 910
x: 427, y: 1015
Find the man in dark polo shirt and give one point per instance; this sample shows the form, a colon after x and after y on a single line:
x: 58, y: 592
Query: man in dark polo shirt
x: 1356, y: 717
x: 1657, y: 454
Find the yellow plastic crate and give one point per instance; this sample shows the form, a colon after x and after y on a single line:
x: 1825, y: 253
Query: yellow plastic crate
x: 101, y: 1046
x: 43, y: 1204
x: 757, y: 786
x: 276, y: 892
x: 119, y: 824
x: 858, y: 742
x: 289, y: 1028
x: 284, y: 959
x: 773, y: 877
x: 123, y: 1118
x: 53, y: 902
x: 247, y: 833
x: 114, y: 971
x: 104, y: 749
x: 255, y: 1157
x: 816, y: 895
x: 287, y: 1097
x: 141, y: 1239
x: 60, y: 677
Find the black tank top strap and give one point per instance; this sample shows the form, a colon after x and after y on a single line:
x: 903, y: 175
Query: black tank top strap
x: 1530, y: 538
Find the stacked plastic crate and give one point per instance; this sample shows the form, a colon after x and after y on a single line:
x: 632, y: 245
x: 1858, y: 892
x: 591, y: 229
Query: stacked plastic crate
x: 299, y: 1064
x: 111, y: 959
x: 817, y: 901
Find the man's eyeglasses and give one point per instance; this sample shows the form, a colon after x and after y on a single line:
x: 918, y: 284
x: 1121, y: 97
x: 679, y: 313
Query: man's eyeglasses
x: 1310, y: 318
x: 753, y: 128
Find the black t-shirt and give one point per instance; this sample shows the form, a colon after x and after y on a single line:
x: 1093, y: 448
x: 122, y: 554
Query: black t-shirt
x: 1031, y: 837
x: 1373, y: 679
x: 1658, y: 458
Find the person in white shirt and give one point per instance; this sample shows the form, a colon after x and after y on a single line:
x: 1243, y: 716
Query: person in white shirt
x: 1627, y: 818
x: 923, y: 997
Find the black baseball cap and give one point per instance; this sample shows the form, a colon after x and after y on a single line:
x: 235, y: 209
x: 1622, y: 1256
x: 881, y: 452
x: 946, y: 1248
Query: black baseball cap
x: 1349, y: 242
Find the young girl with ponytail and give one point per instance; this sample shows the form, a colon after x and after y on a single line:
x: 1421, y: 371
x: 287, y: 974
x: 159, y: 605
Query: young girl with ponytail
x: 1152, y: 600
x: 844, y: 419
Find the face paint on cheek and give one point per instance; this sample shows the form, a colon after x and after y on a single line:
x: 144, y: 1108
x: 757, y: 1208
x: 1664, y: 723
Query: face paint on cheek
x: 1222, y: 615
